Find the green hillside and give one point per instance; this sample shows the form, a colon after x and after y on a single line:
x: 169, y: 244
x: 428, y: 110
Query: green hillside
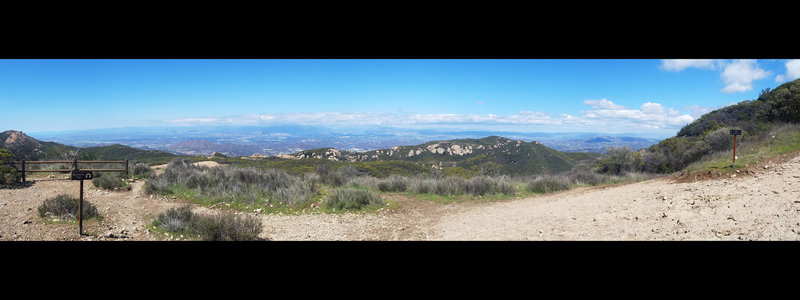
x: 464, y: 157
x: 710, y: 134
x: 28, y: 148
x: 779, y: 105
x: 120, y: 152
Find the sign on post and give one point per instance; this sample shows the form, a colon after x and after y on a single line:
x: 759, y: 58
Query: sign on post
x: 734, y: 133
x: 81, y: 175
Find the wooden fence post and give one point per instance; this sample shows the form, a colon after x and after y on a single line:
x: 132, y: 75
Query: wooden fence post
x: 23, y: 171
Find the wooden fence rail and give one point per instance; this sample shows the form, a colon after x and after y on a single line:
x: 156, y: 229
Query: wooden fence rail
x: 22, y: 163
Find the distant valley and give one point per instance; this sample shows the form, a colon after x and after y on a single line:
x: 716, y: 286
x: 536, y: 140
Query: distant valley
x: 275, y: 140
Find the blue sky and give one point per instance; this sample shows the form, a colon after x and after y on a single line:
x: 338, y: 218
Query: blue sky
x: 649, y: 97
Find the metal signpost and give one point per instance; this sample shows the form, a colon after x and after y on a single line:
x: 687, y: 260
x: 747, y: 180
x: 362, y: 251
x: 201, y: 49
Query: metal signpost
x: 734, y: 133
x: 80, y: 175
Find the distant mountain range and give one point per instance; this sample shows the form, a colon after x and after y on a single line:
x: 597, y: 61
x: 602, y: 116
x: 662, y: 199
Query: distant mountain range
x: 28, y: 148
x: 274, y: 140
x: 493, y: 153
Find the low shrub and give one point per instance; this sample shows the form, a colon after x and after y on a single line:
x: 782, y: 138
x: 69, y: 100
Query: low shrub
x: 328, y: 176
x: 585, y: 177
x: 350, y: 198
x: 420, y: 185
x: 109, y: 181
x: 548, y: 184
x: 65, y: 207
x: 227, y: 227
x: 484, y: 185
x: 175, y: 219
x: 139, y: 169
x: 295, y: 195
x: 8, y: 173
x: 367, y: 182
x: 393, y: 183
x: 222, y: 227
x: 448, y: 186
x: 242, y: 185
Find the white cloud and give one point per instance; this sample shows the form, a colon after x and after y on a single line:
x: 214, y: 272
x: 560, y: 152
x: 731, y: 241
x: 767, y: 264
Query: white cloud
x: 602, y: 104
x: 194, y: 120
x: 739, y: 75
x: 678, y: 65
x: 649, y: 115
x: 792, y: 71
x: 697, y: 110
x: 603, y: 115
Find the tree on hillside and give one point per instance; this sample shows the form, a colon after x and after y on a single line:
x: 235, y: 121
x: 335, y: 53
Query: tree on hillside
x: 620, y: 160
x: 8, y: 173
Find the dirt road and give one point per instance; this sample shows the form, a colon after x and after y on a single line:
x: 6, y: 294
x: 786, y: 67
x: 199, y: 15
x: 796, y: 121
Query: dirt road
x: 761, y: 206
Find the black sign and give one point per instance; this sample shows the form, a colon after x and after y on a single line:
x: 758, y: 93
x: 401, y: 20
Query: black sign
x: 736, y: 132
x: 82, y: 175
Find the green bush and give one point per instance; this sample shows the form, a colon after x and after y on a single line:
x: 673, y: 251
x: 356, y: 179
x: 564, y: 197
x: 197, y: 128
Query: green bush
x: 139, y: 169
x: 720, y: 139
x: 328, y: 176
x: 65, y: 207
x: 448, y: 186
x: 548, y: 184
x: 296, y: 195
x: 175, y: 219
x: 109, y: 181
x: 223, y: 227
x: 367, y: 182
x: 393, y: 183
x: 226, y: 227
x: 8, y: 173
x: 620, y: 160
x: 350, y: 198
x: 243, y: 185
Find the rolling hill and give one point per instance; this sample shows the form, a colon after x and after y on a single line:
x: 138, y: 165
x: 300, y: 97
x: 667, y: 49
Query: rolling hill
x: 709, y: 134
x: 28, y: 148
x: 491, y: 153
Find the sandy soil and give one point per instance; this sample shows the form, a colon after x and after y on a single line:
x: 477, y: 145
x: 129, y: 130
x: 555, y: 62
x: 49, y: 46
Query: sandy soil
x: 763, y: 205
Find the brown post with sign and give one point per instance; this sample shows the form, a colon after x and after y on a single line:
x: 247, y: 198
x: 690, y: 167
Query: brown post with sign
x: 734, y: 133
x: 734, y: 151
x: 80, y: 212
x: 80, y: 175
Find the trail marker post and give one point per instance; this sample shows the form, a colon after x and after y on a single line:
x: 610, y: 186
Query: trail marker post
x: 80, y: 175
x: 734, y: 133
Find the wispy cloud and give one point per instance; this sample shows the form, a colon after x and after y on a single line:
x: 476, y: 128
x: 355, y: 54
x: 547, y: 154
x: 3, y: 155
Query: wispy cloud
x: 602, y: 114
x: 697, y: 111
x: 739, y: 75
x: 678, y: 65
x: 194, y: 120
x: 648, y: 115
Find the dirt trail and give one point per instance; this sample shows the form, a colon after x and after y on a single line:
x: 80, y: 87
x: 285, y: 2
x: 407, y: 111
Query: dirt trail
x: 762, y: 206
